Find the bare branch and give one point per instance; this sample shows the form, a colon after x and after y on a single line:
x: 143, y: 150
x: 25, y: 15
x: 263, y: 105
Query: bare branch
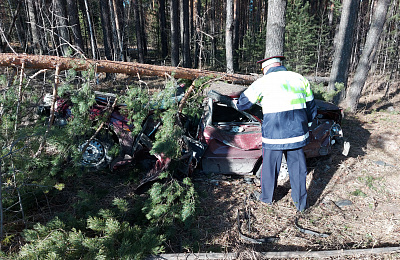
x: 52, y: 110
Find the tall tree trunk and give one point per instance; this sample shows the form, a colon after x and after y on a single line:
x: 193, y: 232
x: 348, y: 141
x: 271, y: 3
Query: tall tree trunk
x: 107, y: 33
x: 197, y: 33
x: 113, y: 30
x: 367, y: 56
x: 21, y: 26
x: 62, y: 26
x: 118, y: 15
x: 174, y: 8
x: 187, y: 62
x: 142, y: 27
x: 91, y: 30
x: 229, y: 36
x: 343, y: 46
x: 2, y: 45
x: 106, y: 27
x: 275, y: 36
x: 181, y: 25
x: 236, y: 28
x: 163, y: 29
x: 139, y: 40
x: 213, y: 34
x: 10, y: 28
x: 73, y: 19
x: 191, y: 22
x: 85, y: 28
x: 37, y: 49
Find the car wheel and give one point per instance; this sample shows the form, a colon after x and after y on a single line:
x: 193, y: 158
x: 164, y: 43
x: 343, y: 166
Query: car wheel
x: 95, y: 156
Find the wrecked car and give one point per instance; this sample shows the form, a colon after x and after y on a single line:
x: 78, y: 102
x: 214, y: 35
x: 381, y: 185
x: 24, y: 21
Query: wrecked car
x: 117, y: 130
x: 227, y: 141
x: 233, y: 137
x: 95, y: 148
x: 134, y: 149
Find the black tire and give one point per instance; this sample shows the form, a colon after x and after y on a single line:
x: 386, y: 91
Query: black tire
x: 96, y: 155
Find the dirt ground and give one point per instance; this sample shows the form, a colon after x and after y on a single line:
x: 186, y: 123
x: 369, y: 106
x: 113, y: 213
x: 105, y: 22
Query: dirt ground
x: 367, y: 180
x: 354, y: 199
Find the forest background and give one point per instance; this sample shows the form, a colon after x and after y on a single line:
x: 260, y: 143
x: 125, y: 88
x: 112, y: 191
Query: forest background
x: 322, y: 38
x: 178, y: 33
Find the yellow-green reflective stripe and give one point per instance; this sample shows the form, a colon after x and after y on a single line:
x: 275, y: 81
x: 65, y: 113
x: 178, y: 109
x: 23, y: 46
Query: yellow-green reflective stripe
x: 293, y: 89
x: 298, y: 101
x: 309, y: 93
x: 300, y: 90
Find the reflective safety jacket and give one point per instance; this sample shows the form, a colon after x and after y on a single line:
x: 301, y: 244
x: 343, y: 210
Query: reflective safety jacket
x: 288, y: 106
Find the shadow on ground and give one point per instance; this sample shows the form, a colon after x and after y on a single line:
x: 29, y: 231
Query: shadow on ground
x: 324, y: 168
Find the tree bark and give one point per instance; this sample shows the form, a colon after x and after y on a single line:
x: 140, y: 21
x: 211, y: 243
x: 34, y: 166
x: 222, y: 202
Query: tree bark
x: 7, y: 36
x: 62, y: 26
x: 367, y: 56
x: 174, y: 11
x: 91, y: 30
x: 275, y: 36
x: 2, y: 45
x: 343, y: 46
x: 163, y: 29
x: 106, y: 66
x: 21, y: 25
x: 236, y: 29
x: 119, y: 26
x: 187, y: 62
x: 106, y: 27
x: 197, y: 33
x: 37, y: 49
x: 73, y: 19
x: 229, y: 36
x: 138, y: 25
x: 113, y: 29
x: 142, y: 27
x: 213, y: 33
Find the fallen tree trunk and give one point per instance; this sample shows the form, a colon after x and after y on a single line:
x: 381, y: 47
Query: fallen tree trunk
x: 130, y: 68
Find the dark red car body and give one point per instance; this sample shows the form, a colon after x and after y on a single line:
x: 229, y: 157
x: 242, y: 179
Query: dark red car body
x: 227, y: 141
x: 234, y: 137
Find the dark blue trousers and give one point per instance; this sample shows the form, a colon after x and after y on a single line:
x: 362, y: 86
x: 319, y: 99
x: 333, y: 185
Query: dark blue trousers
x: 297, y: 173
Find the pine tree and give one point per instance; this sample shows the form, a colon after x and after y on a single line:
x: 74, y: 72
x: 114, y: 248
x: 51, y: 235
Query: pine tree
x: 300, y: 37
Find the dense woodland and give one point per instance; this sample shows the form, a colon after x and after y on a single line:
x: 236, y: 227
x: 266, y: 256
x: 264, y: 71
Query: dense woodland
x: 192, y: 33
x: 322, y: 38
x: 341, y: 41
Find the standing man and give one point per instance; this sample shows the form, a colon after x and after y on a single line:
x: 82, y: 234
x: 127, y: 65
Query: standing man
x: 288, y: 109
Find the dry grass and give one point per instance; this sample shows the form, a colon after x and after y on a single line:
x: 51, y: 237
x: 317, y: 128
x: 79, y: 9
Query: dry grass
x: 368, y: 177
